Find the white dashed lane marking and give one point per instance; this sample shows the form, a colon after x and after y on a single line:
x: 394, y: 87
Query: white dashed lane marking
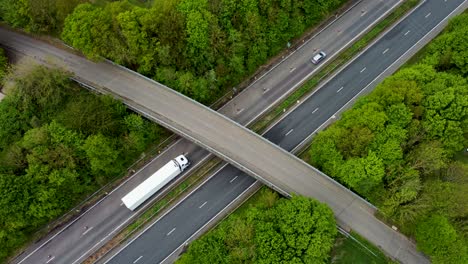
x: 87, y: 230
x: 233, y: 179
x: 136, y: 260
x: 170, y: 232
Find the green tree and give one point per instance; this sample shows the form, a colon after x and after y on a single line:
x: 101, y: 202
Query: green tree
x: 143, y: 48
x: 355, y: 142
x: 428, y: 157
x: 102, y: 155
x: 210, y: 249
x: 297, y: 231
x: 363, y: 174
x: 449, y: 51
x: 15, y: 12
x: 3, y: 64
x: 437, y: 237
x: 91, y: 29
x: 41, y: 16
x: 57, y: 142
x: 324, y: 154
x: 92, y: 115
x: 41, y: 91
x: 404, y: 188
x: 13, y: 122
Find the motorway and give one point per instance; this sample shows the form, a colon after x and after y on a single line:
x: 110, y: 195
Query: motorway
x: 171, y: 230
x: 74, y: 243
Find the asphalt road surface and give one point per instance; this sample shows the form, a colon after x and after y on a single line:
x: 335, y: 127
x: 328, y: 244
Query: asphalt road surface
x: 150, y: 247
x: 74, y: 242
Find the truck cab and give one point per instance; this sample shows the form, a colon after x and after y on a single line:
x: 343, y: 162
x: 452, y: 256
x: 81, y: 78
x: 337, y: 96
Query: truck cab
x: 183, y: 162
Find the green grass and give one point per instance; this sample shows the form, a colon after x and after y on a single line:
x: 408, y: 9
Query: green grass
x: 356, y: 250
x: 265, y: 197
x: 339, y: 61
x: 180, y: 189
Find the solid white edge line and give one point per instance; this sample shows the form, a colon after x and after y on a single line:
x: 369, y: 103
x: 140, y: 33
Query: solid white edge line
x: 209, y: 221
x: 330, y: 57
x: 97, y: 203
x: 378, y: 76
x: 144, y: 207
x: 302, y: 45
x: 317, y: 128
x: 342, y: 68
x: 168, y: 211
x: 385, y: 13
x: 272, y: 185
x: 168, y: 148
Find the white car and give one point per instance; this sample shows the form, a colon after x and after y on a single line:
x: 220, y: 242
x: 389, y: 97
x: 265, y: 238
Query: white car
x: 318, y: 57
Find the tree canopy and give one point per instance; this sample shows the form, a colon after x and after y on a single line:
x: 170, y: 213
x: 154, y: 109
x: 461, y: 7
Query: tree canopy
x: 59, y: 143
x: 199, y: 48
x: 299, y: 230
x: 399, y: 146
x: 40, y: 16
x: 3, y: 64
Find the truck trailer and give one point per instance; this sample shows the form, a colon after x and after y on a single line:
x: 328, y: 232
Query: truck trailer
x: 155, y: 182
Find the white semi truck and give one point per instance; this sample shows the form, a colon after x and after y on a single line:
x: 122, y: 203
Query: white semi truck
x: 155, y: 182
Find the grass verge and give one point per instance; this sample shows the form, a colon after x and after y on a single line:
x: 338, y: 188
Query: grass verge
x: 339, y: 61
x: 258, y: 126
x: 355, y: 249
x: 157, y: 208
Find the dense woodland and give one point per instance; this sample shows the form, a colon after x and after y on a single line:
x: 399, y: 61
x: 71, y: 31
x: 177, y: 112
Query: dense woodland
x: 3, y: 64
x: 403, y: 147
x: 198, y: 47
x: 58, y: 143
x: 272, y: 230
